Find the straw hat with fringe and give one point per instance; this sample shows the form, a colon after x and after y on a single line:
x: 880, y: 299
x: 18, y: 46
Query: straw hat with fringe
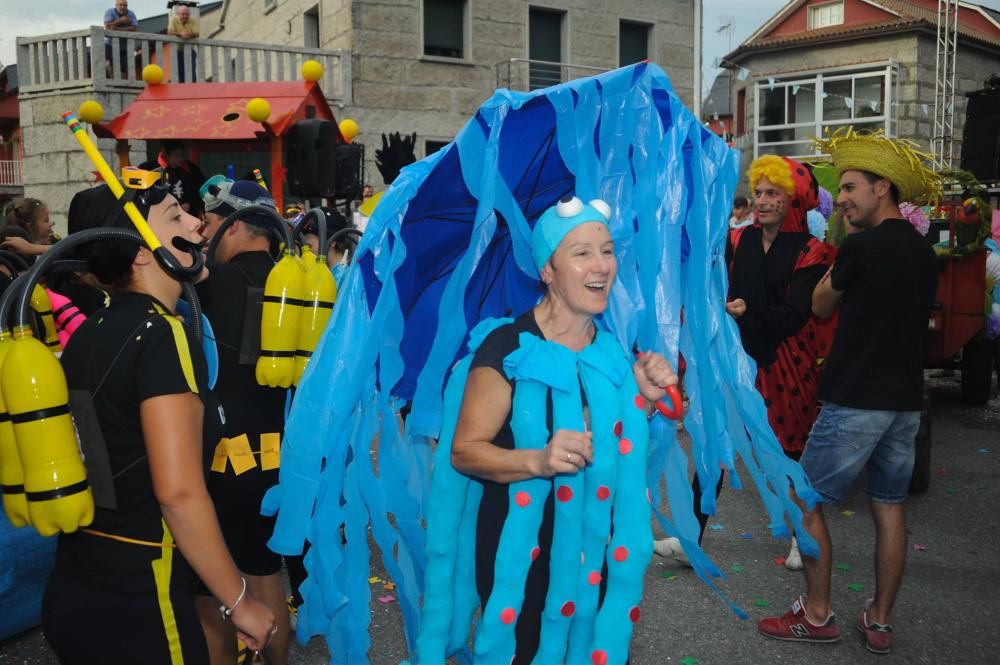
x: 897, y: 160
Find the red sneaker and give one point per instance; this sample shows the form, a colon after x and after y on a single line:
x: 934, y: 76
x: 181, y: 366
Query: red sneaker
x: 795, y: 627
x: 878, y: 636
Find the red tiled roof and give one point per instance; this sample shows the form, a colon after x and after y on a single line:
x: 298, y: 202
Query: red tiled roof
x: 911, y: 16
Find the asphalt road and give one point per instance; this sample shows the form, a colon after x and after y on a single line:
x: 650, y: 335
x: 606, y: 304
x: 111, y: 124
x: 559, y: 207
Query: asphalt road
x: 945, y: 614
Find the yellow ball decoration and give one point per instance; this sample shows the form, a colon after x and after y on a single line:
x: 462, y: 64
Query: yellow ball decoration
x: 348, y: 129
x: 258, y: 109
x: 312, y: 70
x: 152, y: 74
x: 91, y: 111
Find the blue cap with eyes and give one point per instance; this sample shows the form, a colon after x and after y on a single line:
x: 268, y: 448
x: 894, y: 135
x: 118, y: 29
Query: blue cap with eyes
x: 556, y: 222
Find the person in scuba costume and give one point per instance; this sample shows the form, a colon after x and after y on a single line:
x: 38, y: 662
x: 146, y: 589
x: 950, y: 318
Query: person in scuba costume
x: 510, y: 456
x: 123, y: 589
x: 245, y: 463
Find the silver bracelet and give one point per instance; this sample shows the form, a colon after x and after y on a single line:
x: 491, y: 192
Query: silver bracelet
x: 227, y: 612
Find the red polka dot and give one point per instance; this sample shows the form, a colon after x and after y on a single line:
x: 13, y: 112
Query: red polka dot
x: 594, y: 578
x: 508, y: 615
x: 624, y: 446
x: 639, y: 402
x: 535, y: 551
x: 618, y: 429
x: 522, y: 499
x: 564, y: 493
x: 621, y: 553
x: 603, y: 492
x: 599, y: 657
x: 634, y: 613
x: 568, y: 608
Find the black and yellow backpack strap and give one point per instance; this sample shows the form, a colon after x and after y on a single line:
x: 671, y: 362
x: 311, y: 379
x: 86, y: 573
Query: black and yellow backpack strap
x: 183, y: 348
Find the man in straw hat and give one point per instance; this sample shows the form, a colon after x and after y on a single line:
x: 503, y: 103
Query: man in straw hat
x: 884, y: 279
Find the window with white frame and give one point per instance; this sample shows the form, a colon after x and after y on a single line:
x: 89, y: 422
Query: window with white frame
x: 826, y: 14
x: 445, y: 28
x: 789, y: 111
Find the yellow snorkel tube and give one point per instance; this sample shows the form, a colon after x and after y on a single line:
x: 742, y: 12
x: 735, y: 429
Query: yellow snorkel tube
x: 163, y: 255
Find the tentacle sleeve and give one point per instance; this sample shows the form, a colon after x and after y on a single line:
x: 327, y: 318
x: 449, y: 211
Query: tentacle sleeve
x: 631, y: 543
x: 599, y: 494
x: 567, y: 534
x: 450, y: 599
x: 519, y: 537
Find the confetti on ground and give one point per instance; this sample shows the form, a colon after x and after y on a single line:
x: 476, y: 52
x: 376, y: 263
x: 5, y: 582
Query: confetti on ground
x: 983, y: 486
x: 668, y: 575
x: 940, y: 471
x: 716, y: 527
x: 387, y: 598
x: 855, y: 586
x: 736, y: 569
x: 951, y: 490
x: 689, y: 661
x: 779, y: 561
x: 746, y: 536
x: 389, y: 586
x: 842, y: 566
x: 374, y: 580
x: 762, y: 603
x: 983, y: 450
x: 920, y: 548
x: 848, y: 513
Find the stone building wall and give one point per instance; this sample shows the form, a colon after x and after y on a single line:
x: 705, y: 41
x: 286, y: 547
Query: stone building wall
x: 396, y: 88
x: 55, y: 166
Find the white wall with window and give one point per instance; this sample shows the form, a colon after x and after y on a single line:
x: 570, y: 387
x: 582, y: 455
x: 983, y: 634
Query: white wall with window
x: 825, y: 14
x: 788, y: 111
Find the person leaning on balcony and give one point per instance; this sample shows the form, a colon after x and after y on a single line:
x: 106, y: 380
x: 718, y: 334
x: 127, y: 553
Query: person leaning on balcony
x: 183, y: 26
x: 121, y: 19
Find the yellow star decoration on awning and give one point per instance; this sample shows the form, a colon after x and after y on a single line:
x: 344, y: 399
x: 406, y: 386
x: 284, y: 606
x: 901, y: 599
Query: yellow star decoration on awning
x: 157, y: 111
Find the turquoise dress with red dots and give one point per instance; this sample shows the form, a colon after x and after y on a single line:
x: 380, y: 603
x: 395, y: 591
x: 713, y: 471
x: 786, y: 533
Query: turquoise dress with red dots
x: 558, y: 562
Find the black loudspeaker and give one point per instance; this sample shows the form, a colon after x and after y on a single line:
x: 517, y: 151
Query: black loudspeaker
x: 350, y: 171
x: 981, y: 135
x: 311, y: 158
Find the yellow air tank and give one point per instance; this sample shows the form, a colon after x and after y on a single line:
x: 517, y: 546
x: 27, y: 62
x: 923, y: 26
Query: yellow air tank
x: 43, y: 307
x: 11, y: 473
x: 320, y: 293
x: 279, y: 323
x: 55, y: 480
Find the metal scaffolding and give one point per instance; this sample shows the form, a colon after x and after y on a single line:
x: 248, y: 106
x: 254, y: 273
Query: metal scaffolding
x: 942, y: 141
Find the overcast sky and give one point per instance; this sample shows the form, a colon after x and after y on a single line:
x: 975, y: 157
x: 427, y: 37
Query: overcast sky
x: 40, y: 17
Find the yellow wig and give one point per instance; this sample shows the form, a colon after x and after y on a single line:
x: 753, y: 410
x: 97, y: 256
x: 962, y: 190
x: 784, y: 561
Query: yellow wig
x: 775, y: 169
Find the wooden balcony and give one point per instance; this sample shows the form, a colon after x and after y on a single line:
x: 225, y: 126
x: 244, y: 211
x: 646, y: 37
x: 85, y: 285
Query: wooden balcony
x: 103, y: 60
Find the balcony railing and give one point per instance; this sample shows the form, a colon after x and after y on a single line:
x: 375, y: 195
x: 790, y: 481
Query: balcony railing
x: 10, y: 173
x: 111, y: 59
x: 524, y: 74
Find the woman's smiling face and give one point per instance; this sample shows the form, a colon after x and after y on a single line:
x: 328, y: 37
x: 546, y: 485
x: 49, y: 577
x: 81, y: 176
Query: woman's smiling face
x: 582, y: 269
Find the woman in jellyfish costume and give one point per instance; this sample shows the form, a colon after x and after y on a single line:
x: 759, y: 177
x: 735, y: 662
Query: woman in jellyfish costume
x: 448, y: 258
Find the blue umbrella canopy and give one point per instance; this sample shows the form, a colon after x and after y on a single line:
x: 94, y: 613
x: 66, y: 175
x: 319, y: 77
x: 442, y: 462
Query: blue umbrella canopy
x: 449, y: 246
